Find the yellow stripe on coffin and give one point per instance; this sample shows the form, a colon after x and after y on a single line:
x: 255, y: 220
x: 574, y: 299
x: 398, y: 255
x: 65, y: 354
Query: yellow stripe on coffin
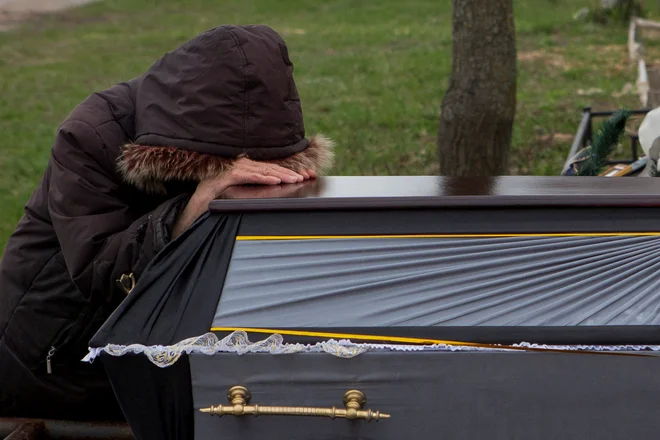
x: 410, y: 341
x: 344, y: 237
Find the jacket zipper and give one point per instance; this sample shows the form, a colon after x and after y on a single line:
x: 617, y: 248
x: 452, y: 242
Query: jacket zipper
x: 51, y: 352
x: 54, y: 348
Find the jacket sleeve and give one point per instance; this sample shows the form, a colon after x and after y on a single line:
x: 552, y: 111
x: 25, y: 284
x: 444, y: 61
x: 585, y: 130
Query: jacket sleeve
x: 99, y: 237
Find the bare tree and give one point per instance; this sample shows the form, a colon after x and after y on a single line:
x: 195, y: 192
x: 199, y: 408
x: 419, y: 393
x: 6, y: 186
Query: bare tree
x: 479, y: 107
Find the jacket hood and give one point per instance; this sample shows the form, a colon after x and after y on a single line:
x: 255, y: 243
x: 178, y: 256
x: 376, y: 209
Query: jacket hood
x: 227, y: 93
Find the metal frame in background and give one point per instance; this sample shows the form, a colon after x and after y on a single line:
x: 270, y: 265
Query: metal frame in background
x: 584, y: 135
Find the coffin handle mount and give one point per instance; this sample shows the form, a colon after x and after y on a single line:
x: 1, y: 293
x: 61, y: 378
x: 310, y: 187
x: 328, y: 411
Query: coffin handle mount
x: 239, y: 398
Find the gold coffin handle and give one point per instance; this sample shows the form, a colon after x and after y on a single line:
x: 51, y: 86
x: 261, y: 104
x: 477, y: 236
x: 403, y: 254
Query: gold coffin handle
x: 239, y: 397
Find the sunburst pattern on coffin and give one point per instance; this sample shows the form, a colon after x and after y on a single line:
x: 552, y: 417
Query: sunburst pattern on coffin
x: 509, y: 281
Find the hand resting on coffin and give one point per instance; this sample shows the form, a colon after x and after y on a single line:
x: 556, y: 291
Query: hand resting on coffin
x: 244, y: 172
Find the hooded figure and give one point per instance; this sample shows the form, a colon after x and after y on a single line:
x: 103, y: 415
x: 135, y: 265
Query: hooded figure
x: 125, y: 166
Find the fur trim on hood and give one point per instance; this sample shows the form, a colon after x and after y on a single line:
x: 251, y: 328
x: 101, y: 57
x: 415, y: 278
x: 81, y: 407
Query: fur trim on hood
x: 148, y: 167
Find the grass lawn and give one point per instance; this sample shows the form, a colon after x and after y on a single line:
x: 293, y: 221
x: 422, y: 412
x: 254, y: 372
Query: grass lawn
x: 371, y: 74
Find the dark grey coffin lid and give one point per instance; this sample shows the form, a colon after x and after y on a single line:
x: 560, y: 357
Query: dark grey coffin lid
x: 402, y: 192
x: 437, y: 395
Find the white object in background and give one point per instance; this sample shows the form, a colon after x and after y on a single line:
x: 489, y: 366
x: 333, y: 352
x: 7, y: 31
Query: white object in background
x: 643, y: 86
x: 649, y: 130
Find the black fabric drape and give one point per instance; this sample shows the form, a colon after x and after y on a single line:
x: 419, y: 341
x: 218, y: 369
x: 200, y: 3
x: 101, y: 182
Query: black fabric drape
x: 165, y: 307
x: 157, y: 402
x: 175, y: 299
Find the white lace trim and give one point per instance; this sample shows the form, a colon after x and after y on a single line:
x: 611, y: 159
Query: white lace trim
x: 238, y: 342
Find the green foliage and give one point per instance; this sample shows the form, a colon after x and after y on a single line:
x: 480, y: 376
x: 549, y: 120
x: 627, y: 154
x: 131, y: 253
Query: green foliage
x: 604, y: 143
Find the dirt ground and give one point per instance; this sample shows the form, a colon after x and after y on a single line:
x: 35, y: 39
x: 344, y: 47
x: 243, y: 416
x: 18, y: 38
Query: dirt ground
x: 13, y: 12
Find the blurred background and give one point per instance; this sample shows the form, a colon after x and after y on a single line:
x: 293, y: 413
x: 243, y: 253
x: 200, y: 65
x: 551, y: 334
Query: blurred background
x: 371, y: 74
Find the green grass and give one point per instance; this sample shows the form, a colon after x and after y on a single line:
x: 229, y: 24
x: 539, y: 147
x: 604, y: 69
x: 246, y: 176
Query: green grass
x: 371, y: 75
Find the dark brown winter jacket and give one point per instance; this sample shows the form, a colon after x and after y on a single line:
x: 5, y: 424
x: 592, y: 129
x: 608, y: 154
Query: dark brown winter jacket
x: 121, y: 169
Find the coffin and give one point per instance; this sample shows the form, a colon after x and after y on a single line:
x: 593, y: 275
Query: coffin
x: 389, y: 307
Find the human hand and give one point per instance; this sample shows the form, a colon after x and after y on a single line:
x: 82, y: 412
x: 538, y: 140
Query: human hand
x: 308, y: 188
x: 245, y: 172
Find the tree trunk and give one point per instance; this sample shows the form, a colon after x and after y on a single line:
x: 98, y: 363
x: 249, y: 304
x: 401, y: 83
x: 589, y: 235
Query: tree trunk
x: 479, y: 107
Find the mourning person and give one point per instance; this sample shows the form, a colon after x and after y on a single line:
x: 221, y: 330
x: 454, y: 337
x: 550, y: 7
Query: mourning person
x: 131, y: 168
